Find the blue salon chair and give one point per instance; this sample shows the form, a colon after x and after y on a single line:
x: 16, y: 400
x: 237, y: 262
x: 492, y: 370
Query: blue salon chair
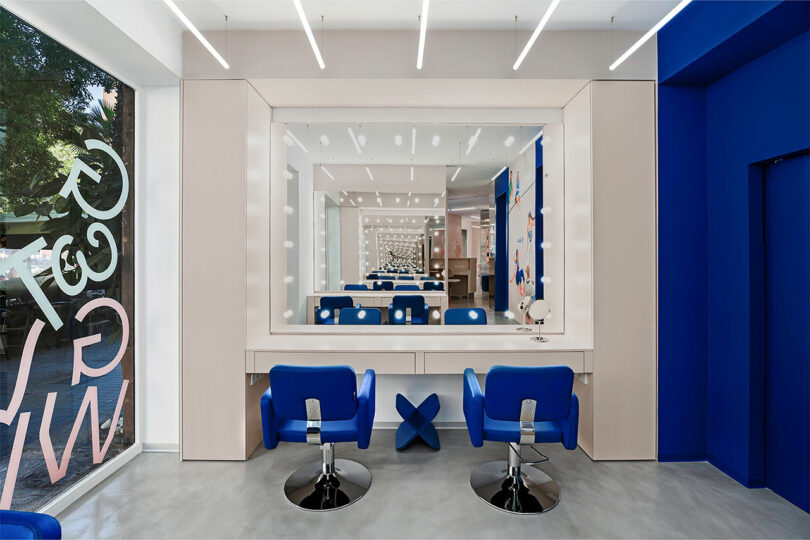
x: 380, y: 285
x: 398, y: 309
x: 406, y: 287
x: 465, y: 316
x: 25, y: 525
x: 405, y: 277
x: 426, y: 278
x: 433, y: 285
x: 372, y: 276
x: 522, y: 406
x: 360, y: 315
x: 355, y: 287
x: 329, y: 305
x: 320, y: 406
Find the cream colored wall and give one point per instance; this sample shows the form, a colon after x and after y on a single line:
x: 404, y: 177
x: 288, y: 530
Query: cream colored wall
x: 349, y: 244
x: 225, y: 137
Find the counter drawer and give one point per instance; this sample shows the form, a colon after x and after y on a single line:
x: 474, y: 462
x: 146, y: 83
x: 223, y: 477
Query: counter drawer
x: 383, y: 363
x: 457, y: 362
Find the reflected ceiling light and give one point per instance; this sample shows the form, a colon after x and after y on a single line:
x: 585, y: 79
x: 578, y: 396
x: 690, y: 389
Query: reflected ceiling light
x: 295, y: 139
x: 422, y: 31
x: 409, y: 204
x: 545, y: 210
x: 287, y: 314
x: 416, y: 199
x: 288, y: 244
x: 288, y: 210
x: 531, y: 142
x: 366, y: 220
x: 398, y: 140
x: 472, y: 141
x: 193, y: 29
x: 444, y: 193
x: 377, y: 193
x: 510, y: 140
x: 354, y: 140
x: 359, y: 199
x: 497, y: 174
x: 413, y: 141
x: 533, y: 38
x: 435, y: 202
x: 361, y: 139
x: 397, y: 199
x: 327, y: 173
x: 411, y: 174
x: 650, y: 33
x: 305, y: 23
x: 288, y: 175
x: 324, y: 140
x: 341, y: 199
x: 287, y: 140
x: 368, y: 171
x: 343, y: 190
x: 463, y: 209
x: 458, y: 170
x: 435, y: 140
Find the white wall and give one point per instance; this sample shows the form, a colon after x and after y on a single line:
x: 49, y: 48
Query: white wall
x: 349, y: 244
x: 159, y: 265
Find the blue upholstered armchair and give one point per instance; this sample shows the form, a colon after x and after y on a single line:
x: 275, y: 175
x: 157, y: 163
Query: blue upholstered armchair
x: 329, y: 307
x: 320, y: 405
x: 23, y: 525
x: 360, y: 315
x: 465, y: 316
x: 397, y: 309
x: 522, y: 406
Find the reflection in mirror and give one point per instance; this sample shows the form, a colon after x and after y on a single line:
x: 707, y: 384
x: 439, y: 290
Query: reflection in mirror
x: 414, y: 220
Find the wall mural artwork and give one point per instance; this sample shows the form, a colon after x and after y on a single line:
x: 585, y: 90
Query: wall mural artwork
x: 66, y: 266
x: 521, y: 190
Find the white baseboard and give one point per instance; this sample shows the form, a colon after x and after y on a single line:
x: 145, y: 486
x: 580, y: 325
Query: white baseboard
x: 169, y: 448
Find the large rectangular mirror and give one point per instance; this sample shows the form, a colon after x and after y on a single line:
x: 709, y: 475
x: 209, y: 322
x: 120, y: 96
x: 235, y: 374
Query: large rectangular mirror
x: 429, y: 217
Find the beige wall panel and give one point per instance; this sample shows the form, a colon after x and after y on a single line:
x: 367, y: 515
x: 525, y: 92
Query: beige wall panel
x: 624, y: 194
x: 253, y: 416
x: 584, y: 392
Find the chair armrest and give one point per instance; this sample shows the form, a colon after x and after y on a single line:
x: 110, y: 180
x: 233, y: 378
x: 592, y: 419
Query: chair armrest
x: 366, y: 399
x: 570, y: 425
x: 473, y: 408
x: 269, y: 421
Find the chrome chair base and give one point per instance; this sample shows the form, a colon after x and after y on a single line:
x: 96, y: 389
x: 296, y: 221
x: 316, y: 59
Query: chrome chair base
x: 312, y: 489
x: 531, y: 491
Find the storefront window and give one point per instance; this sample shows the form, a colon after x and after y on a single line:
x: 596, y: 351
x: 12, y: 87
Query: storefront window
x: 67, y: 385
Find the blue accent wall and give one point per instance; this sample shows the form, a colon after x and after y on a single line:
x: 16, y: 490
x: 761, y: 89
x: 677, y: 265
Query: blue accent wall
x: 734, y: 91
x: 502, y: 242
x: 539, y: 265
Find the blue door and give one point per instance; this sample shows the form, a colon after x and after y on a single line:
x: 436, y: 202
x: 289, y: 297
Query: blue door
x: 787, y: 333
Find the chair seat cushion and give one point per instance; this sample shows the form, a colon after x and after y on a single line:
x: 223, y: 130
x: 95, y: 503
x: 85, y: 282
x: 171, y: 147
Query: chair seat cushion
x: 509, y: 431
x: 332, y: 431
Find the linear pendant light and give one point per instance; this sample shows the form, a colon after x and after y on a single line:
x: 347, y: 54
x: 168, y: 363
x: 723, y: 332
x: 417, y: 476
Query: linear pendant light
x: 305, y: 23
x: 422, y: 32
x: 650, y: 33
x: 193, y: 29
x: 540, y: 26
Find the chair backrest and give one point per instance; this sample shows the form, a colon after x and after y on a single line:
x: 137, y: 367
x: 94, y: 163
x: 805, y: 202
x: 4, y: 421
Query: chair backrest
x: 336, y: 302
x: 426, y: 278
x: 507, y: 386
x: 406, y: 287
x: 334, y: 386
x: 380, y: 285
x: 433, y: 285
x: 465, y: 316
x: 414, y: 301
x: 355, y: 287
x: 360, y: 315
x: 373, y: 276
x: 405, y: 277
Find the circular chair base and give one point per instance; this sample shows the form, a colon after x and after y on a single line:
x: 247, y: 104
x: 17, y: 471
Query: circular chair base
x: 310, y: 489
x: 535, y: 492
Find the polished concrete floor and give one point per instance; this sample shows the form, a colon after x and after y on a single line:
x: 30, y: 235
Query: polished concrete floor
x: 421, y: 493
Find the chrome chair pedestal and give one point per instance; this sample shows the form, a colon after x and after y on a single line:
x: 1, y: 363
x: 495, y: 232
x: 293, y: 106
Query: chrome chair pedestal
x: 327, y: 484
x: 509, y: 487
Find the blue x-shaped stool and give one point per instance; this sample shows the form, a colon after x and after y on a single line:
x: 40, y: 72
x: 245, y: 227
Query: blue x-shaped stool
x: 416, y: 421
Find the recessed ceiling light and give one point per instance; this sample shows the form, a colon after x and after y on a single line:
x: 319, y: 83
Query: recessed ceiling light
x: 411, y: 174
x: 359, y: 199
x: 354, y: 140
x: 361, y: 139
x: 473, y: 140
x: 650, y: 33
x: 416, y: 199
x: 533, y: 38
x: 458, y: 169
x: 327, y: 173
x: 305, y: 23
x: 397, y: 199
x: 324, y: 140
x: 510, y: 140
x: 368, y: 171
x: 531, y: 142
x: 422, y: 31
x: 435, y: 140
x: 296, y: 141
x: 193, y: 29
x: 398, y: 140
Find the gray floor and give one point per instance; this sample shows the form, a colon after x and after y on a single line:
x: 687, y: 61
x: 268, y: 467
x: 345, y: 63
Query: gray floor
x: 420, y: 493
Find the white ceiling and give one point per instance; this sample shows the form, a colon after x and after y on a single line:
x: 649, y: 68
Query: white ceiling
x: 444, y: 14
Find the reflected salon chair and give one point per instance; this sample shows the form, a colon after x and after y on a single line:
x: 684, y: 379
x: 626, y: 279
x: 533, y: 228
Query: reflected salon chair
x: 329, y: 305
x: 380, y: 285
x: 360, y: 315
x: 398, y: 309
x: 465, y: 316
x: 522, y: 406
x: 320, y: 406
x: 24, y: 525
x: 355, y: 287
x: 405, y: 278
x: 406, y: 287
x: 433, y: 286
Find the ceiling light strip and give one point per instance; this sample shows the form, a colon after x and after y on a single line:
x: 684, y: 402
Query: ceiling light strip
x: 531, y: 142
x: 650, y: 33
x: 296, y: 141
x: 354, y: 140
x: 458, y: 170
x: 193, y: 29
x: 368, y: 171
x: 305, y: 23
x: 473, y: 140
x: 422, y: 31
x: 327, y: 173
x: 540, y: 26
x: 497, y: 174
